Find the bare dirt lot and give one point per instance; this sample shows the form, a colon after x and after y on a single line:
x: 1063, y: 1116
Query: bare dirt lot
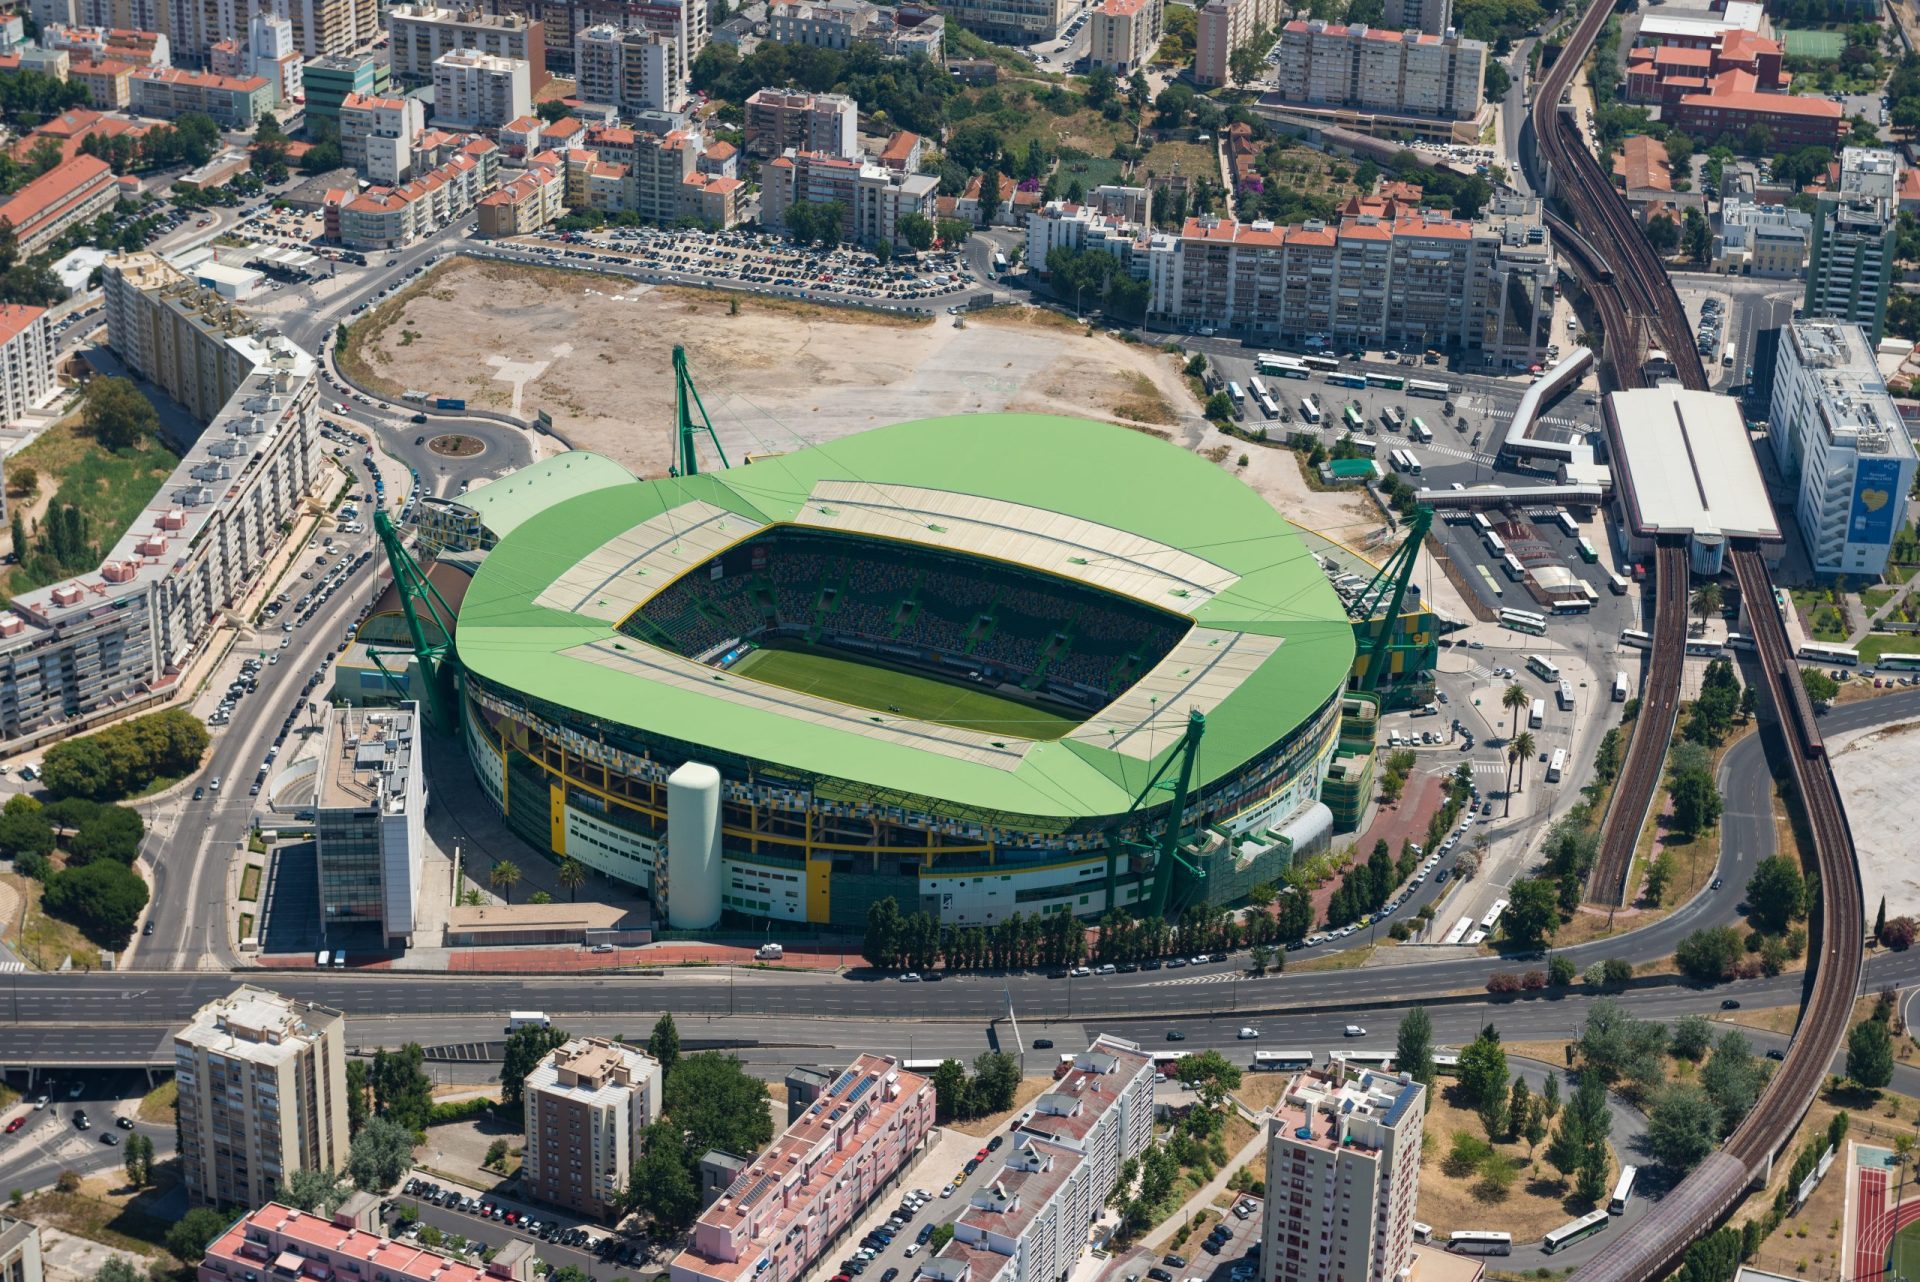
x: 596, y: 353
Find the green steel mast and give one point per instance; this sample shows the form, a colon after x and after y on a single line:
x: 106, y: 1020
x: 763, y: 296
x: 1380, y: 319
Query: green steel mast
x: 1389, y: 587
x: 418, y: 598
x: 1169, y: 858
x: 686, y: 400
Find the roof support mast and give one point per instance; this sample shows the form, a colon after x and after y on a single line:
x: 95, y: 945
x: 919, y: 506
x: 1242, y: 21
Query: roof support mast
x: 686, y: 401
x: 419, y: 597
x: 1388, y: 588
x: 1169, y: 855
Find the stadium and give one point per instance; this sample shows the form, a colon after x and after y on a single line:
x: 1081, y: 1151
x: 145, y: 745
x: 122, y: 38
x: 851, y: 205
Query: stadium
x: 967, y: 662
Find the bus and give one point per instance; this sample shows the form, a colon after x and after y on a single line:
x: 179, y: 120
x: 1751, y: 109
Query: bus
x: 1308, y: 410
x: 1704, y: 647
x: 1350, y: 415
x: 1556, y: 765
x: 1622, y: 1191
x: 1321, y: 364
x: 1564, y: 692
x: 1459, y: 931
x: 1432, y: 390
x: 1282, y: 1061
x: 1493, y: 584
x: 1621, y: 687
x: 1446, y: 1063
x: 1739, y: 641
x: 1543, y: 667
x: 1163, y: 1061
x: 1404, y: 461
x: 1511, y: 564
x: 1588, y: 552
x: 1537, y: 715
x: 1347, y: 380
x: 1480, y: 1242
x: 1364, y: 446
x: 1636, y: 638
x: 1493, y: 915
x: 1421, y: 432
x: 1257, y: 387
x: 1843, y: 655
x: 1567, y: 1234
x: 1394, y: 417
x: 1618, y: 584
x: 1393, y: 382
x: 1281, y: 366
x: 1481, y: 523
x: 1365, y: 1059
x: 1239, y: 397
x: 920, y: 1065
x: 1566, y: 522
x: 1267, y: 406
x: 1495, y: 544
x: 1422, y: 1232
x: 1524, y: 621
x: 1898, y: 662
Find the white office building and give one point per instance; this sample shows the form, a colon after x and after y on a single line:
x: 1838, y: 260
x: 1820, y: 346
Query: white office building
x: 474, y: 90
x: 1836, y: 433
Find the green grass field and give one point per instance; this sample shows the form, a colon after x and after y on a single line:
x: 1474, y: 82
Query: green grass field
x: 1815, y: 44
x: 1906, y: 1253
x: 901, y: 693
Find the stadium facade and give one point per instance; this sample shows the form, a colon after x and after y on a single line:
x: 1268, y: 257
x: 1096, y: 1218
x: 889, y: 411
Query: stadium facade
x: 942, y: 661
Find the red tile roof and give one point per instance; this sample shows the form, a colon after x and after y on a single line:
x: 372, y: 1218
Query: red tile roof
x: 15, y: 318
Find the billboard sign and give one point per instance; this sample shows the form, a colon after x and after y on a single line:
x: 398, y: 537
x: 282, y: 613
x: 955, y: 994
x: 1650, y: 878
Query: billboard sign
x: 1877, y: 501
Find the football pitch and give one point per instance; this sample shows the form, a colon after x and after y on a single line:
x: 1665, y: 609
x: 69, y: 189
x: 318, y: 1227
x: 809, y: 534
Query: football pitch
x: 1906, y: 1254
x: 903, y: 694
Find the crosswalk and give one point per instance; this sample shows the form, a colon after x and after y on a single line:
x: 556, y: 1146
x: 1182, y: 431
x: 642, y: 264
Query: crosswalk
x: 1489, y: 767
x: 1221, y: 977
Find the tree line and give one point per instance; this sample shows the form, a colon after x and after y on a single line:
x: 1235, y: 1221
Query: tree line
x: 126, y: 757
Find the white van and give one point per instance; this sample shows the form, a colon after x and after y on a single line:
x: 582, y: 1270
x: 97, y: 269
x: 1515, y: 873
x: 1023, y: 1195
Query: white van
x: 527, y: 1019
x: 769, y: 952
x: 323, y: 958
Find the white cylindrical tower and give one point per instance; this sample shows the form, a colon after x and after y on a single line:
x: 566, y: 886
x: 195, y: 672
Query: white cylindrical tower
x: 693, y: 847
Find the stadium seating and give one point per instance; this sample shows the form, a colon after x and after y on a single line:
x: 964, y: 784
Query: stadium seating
x: 1070, y: 642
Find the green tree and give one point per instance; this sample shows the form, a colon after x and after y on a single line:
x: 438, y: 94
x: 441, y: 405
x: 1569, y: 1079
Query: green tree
x: 1696, y: 801
x: 356, y: 1096
x: 917, y: 230
x: 1413, y: 1050
x: 572, y: 874
x: 1692, y: 1035
x: 1515, y: 699
x: 24, y: 829
x: 712, y: 1098
x: 310, y: 1190
x: 526, y: 1046
x: 190, y: 1234
x: 402, y: 1092
x: 1208, y: 1075
x: 662, y: 1182
x: 117, y: 414
x: 881, y: 947
x: 1483, y: 1070
x: 1820, y: 687
x: 1777, y: 893
x: 503, y: 877
x: 1683, y: 1127
x: 379, y: 1156
x: 952, y: 1091
x: 1710, y: 953
x: 1295, y: 918
x: 117, y: 1269
x: 1663, y: 233
x: 136, y: 1158
x: 1870, y: 1054
x: 1533, y: 913
x: 664, y: 1043
x: 1732, y: 1079
x: 104, y: 899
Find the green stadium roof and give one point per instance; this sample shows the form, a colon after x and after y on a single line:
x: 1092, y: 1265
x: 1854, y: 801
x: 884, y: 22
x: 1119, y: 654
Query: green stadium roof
x: 1102, y: 474
x: 503, y: 504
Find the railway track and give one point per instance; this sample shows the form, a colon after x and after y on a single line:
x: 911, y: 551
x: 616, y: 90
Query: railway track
x: 1652, y: 731
x: 1630, y: 287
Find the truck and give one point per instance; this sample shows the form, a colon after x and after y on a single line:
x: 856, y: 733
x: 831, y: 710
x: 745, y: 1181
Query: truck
x: 449, y: 403
x: 527, y: 1019
x: 769, y: 952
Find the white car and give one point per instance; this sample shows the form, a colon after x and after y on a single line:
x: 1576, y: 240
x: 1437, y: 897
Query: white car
x: 1248, y: 1034
x: 1353, y: 1030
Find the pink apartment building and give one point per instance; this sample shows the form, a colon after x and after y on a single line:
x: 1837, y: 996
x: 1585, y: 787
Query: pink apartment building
x: 279, y: 1244
x: 783, y: 1211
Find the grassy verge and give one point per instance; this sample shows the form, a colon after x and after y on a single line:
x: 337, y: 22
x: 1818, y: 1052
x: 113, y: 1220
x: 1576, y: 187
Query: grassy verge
x: 246, y: 928
x: 110, y: 488
x: 44, y: 941
x: 157, y: 1105
x: 124, y: 1228
x: 250, y: 883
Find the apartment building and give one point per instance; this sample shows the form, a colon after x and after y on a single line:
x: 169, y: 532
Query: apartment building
x: 1062, y: 225
x: 1343, y: 1177
x: 263, y: 1093
x: 377, y: 135
x: 1851, y: 253
x: 424, y: 33
x: 369, y: 804
x: 683, y: 21
x: 20, y: 1256
x: 1011, y: 21
x: 779, y: 1216
x: 1224, y: 26
x: 72, y: 192
x: 782, y: 119
x: 347, y: 1244
x: 587, y: 1105
x: 109, y: 85
x: 103, y: 44
x: 1385, y: 275
x: 1124, y: 34
x: 1838, y: 436
x: 842, y: 24
x: 270, y: 52
x: 330, y: 81
x: 234, y: 102
x: 26, y: 360
x: 873, y: 197
x: 1393, y: 72
x: 1030, y: 1222
x: 528, y: 204
x: 1753, y: 239
x: 1435, y: 17
x: 390, y: 217
x: 333, y: 28
x: 473, y: 90
x: 629, y: 69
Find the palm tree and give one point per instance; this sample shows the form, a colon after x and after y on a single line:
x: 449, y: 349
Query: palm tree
x: 1513, y: 700
x: 1513, y: 755
x: 1523, y: 749
x: 1706, y: 600
x: 503, y: 876
x: 572, y: 875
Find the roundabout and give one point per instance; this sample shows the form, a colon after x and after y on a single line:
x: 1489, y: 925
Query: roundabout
x: 457, y: 445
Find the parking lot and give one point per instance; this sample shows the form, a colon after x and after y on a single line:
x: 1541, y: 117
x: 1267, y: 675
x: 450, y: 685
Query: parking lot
x: 760, y: 260
x: 559, y: 1238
